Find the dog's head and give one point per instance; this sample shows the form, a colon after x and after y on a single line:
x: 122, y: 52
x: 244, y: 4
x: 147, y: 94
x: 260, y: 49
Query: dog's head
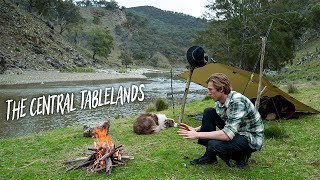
x: 168, y: 122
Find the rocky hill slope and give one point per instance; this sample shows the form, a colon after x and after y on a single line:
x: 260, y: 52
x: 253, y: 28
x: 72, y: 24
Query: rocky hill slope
x: 109, y: 19
x: 30, y: 43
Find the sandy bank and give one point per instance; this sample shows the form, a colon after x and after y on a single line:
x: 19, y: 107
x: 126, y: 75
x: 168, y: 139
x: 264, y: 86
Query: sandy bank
x: 34, y: 77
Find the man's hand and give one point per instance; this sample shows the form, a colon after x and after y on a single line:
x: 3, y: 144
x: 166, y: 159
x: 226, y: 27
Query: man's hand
x: 185, y: 127
x: 188, y: 132
x: 192, y: 134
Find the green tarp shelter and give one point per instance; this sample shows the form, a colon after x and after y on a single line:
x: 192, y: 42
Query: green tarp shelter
x: 240, y: 82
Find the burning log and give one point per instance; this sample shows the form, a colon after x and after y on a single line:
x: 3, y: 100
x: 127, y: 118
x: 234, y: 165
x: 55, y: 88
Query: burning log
x: 93, y: 149
x: 110, y: 153
x: 105, y: 155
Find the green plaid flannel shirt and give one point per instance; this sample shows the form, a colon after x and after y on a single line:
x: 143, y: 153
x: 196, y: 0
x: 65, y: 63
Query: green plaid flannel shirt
x: 241, y: 117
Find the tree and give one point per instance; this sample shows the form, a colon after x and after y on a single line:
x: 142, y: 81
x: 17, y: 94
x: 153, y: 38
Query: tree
x: 111, y: 5
x: 67, y: 14
x: 45, y: 7
x: 234, y: 36
x: 126, y: 59
x: 314, y: 16
x: 75, y: 32
x: 84, y: 3
x: 42, y: 7
x: 100, y: 42
x: 96, y: 20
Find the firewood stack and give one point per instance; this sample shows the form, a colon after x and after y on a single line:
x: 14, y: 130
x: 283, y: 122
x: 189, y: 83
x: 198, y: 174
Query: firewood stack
x: 104, y: 155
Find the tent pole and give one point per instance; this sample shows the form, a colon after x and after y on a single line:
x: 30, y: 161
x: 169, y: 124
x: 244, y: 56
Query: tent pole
x: 263, y: 51
x: 275, y: 107
x: 261, y: 72
x: 174, y: 114
x: 185, y: 94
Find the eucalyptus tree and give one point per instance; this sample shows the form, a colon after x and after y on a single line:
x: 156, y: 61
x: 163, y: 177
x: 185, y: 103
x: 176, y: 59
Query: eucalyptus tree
x: 234, y: 32
x: 100, y: 42
x: 67, y: 14
x: 126, y: 59
x: 63, y: 13
x: 314, y: 16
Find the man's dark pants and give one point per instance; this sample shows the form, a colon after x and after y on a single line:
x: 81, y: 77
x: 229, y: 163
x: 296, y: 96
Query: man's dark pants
x: 234, y: 149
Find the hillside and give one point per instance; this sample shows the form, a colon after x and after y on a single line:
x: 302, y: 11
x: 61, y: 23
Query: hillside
x: 28, y: 43
x: 159, y: 32
x: 176, y: 20
x: 106, y: 18
x: 304, y: 67
x: 147, y: 35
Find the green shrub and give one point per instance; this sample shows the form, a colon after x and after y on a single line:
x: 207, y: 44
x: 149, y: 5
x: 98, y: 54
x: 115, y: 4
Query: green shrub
x: 119, y: 116
x: 161, y: 104
x: 122, y: 70
x: 151, y: 107
x: 206, y: 98
x: 17, y: 49
x: 96, y: 20
x: 78, y: 70
x: 292, y: 88
x: 275, y: 132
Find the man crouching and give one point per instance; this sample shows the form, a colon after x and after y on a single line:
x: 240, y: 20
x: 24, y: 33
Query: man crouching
x: 240, y: 124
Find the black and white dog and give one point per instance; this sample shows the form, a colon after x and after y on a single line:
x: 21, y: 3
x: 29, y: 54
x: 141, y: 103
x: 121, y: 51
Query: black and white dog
x: 149, y: 123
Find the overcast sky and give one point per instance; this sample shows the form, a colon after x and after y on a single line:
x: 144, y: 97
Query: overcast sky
x: 191, y: 7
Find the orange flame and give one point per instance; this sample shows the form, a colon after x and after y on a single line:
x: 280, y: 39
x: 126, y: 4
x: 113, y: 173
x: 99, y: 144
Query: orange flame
x: 103, y: 139
x: 104, y: 144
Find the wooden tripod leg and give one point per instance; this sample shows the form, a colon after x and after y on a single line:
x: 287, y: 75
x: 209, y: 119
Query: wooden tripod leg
x: 186, y: 91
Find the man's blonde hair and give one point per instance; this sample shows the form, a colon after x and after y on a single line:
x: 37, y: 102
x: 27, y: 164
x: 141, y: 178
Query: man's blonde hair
x: 220, y: 81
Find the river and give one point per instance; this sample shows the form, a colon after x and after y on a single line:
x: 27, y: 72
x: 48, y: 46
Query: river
x: 156, y: 85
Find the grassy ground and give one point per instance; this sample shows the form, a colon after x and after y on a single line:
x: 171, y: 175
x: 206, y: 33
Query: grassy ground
x: 165, y: 155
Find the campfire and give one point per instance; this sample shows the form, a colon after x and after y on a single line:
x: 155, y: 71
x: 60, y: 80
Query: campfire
x: 104, y: 155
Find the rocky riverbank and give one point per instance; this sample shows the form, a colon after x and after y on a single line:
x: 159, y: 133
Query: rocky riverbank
x: 35, y: 77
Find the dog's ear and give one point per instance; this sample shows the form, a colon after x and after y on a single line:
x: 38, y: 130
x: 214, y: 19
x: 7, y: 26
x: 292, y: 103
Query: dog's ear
x: 156, y: 119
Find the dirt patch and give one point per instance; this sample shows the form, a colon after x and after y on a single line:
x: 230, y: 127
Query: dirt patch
x: 314, y: 163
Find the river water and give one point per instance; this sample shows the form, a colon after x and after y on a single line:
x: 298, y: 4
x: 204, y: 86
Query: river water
x: 156, y: 85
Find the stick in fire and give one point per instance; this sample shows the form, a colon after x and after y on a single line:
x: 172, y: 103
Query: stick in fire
x: 105, y: 155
